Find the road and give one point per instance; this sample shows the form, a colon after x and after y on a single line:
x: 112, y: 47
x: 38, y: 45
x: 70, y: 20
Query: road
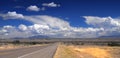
x: 47, y: 51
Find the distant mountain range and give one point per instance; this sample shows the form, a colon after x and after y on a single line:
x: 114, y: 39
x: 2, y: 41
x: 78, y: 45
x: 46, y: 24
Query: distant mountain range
x: 39, y: 36
x: 47, y: 37
x: 115, y: 36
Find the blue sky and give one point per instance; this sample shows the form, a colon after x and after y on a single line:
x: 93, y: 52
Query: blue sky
x: 95, y: 17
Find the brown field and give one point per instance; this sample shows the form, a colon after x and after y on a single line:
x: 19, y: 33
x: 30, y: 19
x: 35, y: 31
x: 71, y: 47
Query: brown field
x: 73, y: 51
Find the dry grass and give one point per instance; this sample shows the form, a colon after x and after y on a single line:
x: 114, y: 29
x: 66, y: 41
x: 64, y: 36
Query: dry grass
x: 12, y: 46
x: 94, y: 52
x: 9, y: 46
x: 64, y: 51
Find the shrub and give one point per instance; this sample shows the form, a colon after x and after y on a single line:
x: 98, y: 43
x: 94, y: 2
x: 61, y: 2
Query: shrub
x: 113, y: 44
x: 16, y: 42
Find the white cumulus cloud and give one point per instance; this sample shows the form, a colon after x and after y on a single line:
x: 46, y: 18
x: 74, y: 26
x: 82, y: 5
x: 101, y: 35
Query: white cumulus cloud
x: 22, y: 27
x: 12, y: 15
x: 102, y: 21
x: 52, y: 4
x: 111, y: 25
x: 33, y: 8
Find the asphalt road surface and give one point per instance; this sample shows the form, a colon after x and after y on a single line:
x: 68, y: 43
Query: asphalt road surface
x: 31, y: 52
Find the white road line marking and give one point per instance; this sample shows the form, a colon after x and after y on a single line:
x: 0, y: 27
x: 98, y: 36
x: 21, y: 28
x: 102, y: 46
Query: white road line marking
x: 30, y: 53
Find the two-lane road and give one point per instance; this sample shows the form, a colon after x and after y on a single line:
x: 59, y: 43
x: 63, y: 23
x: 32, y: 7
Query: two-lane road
x: 47, y: 51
